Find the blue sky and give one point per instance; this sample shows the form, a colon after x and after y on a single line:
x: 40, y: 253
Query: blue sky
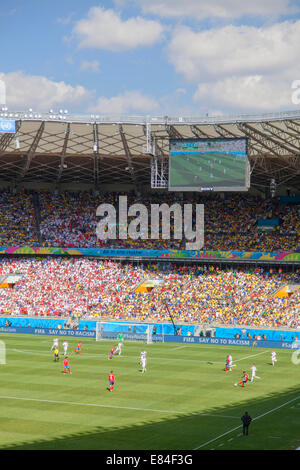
x: 164, y: 57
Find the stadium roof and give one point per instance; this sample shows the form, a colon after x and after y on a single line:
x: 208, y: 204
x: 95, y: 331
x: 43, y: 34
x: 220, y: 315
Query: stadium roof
x: 64, y: 149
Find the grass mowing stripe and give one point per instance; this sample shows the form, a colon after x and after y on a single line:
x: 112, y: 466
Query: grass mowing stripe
x: 57, y: 402
x: 62, y: 402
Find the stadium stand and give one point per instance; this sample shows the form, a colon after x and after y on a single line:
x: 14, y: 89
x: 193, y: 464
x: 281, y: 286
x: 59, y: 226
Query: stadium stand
x: 18, y: 222
x: 89, y: 288
x: 69, y: 220
x: 62, y: 156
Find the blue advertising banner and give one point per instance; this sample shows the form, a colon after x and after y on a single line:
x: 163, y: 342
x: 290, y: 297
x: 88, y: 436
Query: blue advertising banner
x: 7, y: 127
x: 155, y: 338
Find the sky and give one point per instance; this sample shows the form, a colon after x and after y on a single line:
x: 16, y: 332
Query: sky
x: 188, y: 58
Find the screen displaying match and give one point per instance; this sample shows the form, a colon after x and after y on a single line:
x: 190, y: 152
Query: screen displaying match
x: 209, y: 165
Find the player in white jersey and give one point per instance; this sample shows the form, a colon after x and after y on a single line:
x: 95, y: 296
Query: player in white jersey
x: 55, y: 344
x: 65, y: 346
x: 143, y: 360
x: 273, y: 357
x: 253, y: 373
x: 119, y: 348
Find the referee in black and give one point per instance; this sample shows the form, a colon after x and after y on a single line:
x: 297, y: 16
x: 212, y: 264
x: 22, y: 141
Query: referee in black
x: 246, y: 420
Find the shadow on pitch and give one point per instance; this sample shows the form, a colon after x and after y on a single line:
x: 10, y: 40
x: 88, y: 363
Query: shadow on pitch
x: 274, y: 427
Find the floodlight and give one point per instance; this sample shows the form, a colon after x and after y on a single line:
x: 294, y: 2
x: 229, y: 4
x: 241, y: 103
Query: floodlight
x: 17, y: 143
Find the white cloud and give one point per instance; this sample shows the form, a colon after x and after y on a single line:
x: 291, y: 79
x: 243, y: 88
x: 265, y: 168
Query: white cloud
x: 40, y: 93
x: 203, y: 9
x: 240, y: 67
x: 92, y: 65
x: 105, y: 29
x: 235, y: 50
x: 124, y: 103
x: 246, y: 94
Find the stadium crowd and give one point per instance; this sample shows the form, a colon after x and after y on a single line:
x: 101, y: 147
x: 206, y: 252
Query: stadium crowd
x: 69, y: 220
x: 95, y: 289
x: 105, y: 289
x: 18, y: 221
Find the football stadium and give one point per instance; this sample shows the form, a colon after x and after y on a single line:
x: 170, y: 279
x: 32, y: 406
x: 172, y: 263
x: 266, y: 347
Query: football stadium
x: 237, y: 296
x: 149, y: 257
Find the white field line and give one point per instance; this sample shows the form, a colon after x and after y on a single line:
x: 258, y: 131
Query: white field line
x: 99, y: 405
x: 254, y: 419
x: 152, y: 357
x: 44, y: 353
x: 253, y: 355
x: 178, y: 347
x: 60, y: 402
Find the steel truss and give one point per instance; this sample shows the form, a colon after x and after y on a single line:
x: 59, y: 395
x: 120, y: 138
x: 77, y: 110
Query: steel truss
x: 129, y: 152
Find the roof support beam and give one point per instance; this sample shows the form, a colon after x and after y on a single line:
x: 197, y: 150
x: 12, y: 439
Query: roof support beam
x: 96, y: 154
x: 128, y: 156
x: 288, y: 140
x: 280, y: 148
x: 63, y: 154
x: 31, y: 153
x: 258, y: 137
x: 199, y: 133
x: 173, y: 133
x: 224, y: 132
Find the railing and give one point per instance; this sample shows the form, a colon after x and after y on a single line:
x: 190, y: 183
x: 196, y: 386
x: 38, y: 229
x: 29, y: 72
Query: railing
x: 62, y: 116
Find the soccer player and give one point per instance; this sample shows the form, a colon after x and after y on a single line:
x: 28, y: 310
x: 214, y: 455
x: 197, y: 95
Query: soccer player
x: 78, y: 348
x: 120, y: 337
x: 55, y: 344
x: 228, y: 363
x: 273, y: 357
x: 111, y: 353
x: 143, y: 360
x: 65, y: 346
x: 253, y: 373
x: 66, y: 366
x: 119, y: 348
x: 111, y: 379
x: 56, y: 355
x: 244, y: 380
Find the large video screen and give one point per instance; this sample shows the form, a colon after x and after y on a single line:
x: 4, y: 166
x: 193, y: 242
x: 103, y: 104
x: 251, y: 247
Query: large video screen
x: 209, y: 165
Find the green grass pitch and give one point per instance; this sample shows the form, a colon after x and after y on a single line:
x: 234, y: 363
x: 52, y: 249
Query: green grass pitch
x: 211, y: 169
x: 184, y: 401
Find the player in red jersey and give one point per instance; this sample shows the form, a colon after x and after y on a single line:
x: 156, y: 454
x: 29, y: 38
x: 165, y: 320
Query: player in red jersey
x: 244, y: 381
x: 111, y: 379
x: 111, y: 353
x: 66, y: 366
x: 78, y: 348
x: 228, y: 365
